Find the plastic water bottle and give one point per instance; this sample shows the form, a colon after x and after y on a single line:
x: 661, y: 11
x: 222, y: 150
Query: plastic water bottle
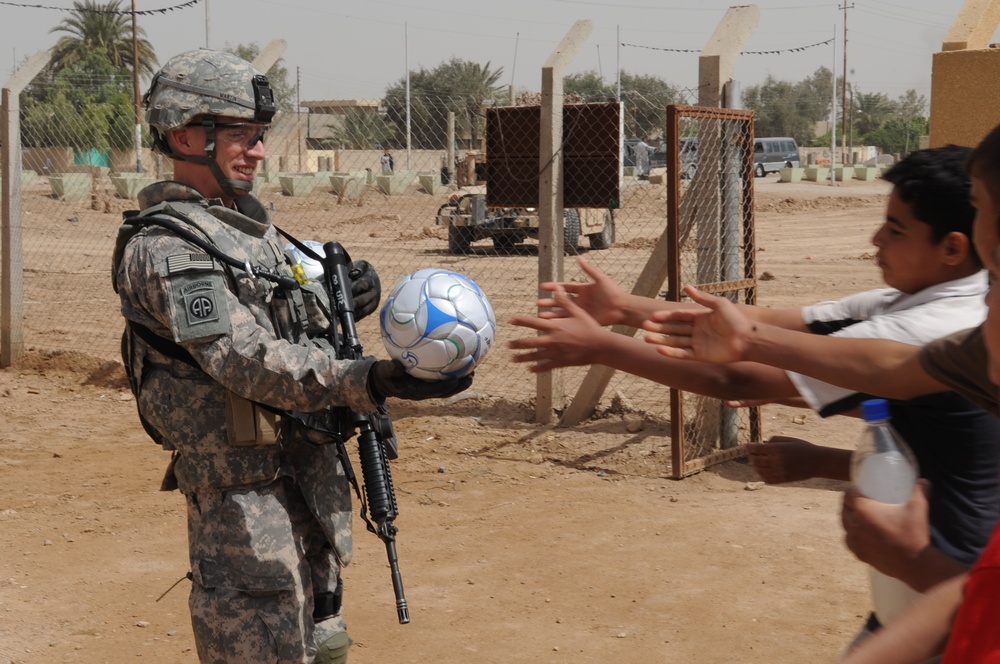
x: 884, y: 469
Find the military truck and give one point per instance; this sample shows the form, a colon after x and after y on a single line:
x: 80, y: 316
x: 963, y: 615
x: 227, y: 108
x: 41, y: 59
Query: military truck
x: 469, y: 220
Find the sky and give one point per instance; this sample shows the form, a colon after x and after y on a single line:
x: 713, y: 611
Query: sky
x: 354, y: 50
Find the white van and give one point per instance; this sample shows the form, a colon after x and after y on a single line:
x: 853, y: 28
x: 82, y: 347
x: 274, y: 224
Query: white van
x: 772, y: 154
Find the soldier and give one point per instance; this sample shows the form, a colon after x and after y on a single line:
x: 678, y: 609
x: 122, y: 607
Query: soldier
x: 225, y: 361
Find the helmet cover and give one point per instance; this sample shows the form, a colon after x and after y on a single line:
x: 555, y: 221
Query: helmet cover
x: 207, y: 82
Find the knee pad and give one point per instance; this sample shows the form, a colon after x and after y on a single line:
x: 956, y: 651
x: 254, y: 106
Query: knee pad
x: 334, y: 649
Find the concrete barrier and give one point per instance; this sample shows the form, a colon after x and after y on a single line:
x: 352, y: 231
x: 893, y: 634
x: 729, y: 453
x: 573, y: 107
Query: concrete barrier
x: 841, y: 173
x: 866, y: 173
x: 791, y: 174
x: 346, y: 185
x: 297, y: 184
x: 394, y: 183
x: 71, y: 186
x: 430, y: 182
x: 128, y: 185
x: 817, y: 173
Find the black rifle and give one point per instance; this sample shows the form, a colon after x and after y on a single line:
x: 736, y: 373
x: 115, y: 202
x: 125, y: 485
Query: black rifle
x: 375, y: 434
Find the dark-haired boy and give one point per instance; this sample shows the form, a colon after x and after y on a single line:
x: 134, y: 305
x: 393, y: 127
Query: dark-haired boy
x: 936, y: 284
x: 960, y: 612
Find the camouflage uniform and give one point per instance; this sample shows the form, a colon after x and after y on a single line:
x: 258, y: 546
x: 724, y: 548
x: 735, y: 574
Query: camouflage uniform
x: 269, y: 514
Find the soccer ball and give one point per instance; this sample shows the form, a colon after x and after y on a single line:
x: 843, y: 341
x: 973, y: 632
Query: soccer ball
x: 438, y: 323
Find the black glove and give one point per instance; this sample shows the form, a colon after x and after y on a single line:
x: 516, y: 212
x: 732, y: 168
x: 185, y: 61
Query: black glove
x: 388, y: 378
x: 365, y: 287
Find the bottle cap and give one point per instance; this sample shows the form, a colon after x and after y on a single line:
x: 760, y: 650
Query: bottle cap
x: 873, y: 410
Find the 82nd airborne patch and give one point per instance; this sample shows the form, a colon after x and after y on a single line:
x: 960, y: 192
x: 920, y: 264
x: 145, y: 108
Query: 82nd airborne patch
x: 200, y: 302
x: 199, y: 310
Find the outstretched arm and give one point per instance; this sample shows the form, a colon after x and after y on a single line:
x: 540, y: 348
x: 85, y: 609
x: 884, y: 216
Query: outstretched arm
x: 609, y: 304
x: 578, y: 339
x: 722, y: 334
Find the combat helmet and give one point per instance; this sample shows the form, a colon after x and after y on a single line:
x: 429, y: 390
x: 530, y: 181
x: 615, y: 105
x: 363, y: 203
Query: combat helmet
x: 206, y: 84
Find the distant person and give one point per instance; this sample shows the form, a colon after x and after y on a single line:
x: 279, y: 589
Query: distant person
x: 386, y: 160
x: 642, y: 152
x: 937, y: 285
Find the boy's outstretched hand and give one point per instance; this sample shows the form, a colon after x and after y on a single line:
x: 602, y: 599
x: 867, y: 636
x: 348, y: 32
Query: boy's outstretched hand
x: 601, y: 298
x: 720, y: 335
x: 565, y: 341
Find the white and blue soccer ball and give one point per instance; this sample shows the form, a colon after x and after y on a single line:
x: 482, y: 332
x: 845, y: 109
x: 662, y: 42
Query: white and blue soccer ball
x: 438, y: 323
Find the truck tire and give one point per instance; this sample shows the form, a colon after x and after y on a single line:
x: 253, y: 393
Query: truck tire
x: 759, y: 171
x: 459, y: 239
x: 606, y: 237
x: 571, y: 231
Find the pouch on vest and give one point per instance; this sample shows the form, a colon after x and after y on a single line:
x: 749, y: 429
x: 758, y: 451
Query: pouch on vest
x: 249, y: 424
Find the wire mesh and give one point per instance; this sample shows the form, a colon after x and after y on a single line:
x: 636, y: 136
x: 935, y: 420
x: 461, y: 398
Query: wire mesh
x: 346, y: 174
x: 711, y: 213
x: 324, y: 178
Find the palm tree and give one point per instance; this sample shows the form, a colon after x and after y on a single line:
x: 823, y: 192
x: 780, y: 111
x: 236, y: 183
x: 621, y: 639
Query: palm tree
x: 478, y: 87
x: 874, y: 110
x: 106, y: 25
x: 462, y: 86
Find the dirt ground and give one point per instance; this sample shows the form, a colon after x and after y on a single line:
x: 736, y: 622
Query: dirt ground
x: 518, y: 542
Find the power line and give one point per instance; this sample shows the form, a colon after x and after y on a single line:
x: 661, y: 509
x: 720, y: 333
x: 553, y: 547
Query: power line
x: 116, y: 12
x: 692, y: 50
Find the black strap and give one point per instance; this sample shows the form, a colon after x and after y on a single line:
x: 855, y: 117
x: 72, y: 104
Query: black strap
x: 286, y: 283
x: 328, y: 604
x: 162, y: 345
x: 301, y: 246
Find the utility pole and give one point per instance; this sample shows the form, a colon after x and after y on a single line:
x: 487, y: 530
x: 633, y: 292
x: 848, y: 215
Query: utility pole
x: 843, y: 95
x: 298, y: 115
x: 135, y: 91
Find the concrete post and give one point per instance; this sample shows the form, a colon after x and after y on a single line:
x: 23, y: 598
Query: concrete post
x: 271, y: 54
x: 715, y: 65
x: 974, y: 26
x: 11, y: 248
x: 550, y: 390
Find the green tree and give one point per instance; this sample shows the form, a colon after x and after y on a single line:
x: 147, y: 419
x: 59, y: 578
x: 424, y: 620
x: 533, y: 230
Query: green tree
x: 284, y: 91
x: 911, y: 105
x: 588, y: 87
x: 645, y: 99
x: 87, y: 105
x: 95, y: 25
x: 360, y: 130
x: 782, y: 108
x: 898, y: 135
x: 460, y: 86
x: 871, y: 111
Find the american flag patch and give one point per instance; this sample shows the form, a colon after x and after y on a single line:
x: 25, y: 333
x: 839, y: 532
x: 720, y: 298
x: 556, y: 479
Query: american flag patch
x: 189, y: 263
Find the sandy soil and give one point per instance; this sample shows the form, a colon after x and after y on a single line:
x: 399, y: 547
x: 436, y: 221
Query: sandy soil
x: 518, y: 542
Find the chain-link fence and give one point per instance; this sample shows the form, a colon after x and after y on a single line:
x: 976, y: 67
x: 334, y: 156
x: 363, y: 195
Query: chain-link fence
x: 345, y: 174
x: 711, y: 245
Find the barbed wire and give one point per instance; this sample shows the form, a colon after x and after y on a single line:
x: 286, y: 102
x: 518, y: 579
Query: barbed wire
x: 119, y: 12
x: 692, y: 50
